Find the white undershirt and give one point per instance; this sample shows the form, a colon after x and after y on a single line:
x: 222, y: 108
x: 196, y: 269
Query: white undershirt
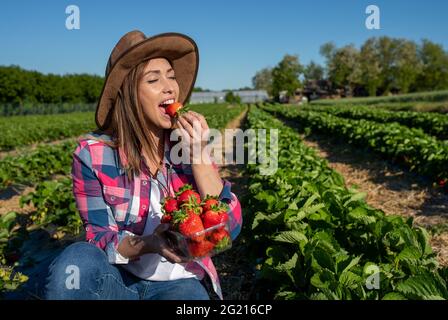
x: 153, y: 266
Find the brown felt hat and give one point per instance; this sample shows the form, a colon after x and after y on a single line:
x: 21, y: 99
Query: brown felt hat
x: 133, y: 48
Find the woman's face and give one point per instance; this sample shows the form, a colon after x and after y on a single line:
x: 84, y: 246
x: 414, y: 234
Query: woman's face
x: 158, y: 86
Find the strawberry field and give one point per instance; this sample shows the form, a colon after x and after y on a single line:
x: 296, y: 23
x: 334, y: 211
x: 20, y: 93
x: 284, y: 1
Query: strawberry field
x: 307, y: 233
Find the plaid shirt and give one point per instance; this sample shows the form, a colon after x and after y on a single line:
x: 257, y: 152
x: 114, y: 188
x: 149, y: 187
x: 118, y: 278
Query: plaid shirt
x: 112, y: 207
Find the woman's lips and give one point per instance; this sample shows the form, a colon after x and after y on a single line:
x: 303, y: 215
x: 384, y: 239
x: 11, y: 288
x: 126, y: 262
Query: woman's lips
x: 163, y: 111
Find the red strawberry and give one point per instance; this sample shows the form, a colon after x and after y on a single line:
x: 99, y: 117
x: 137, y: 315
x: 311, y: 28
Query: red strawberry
x: 169, y: 205
x: 200, y: 249
x: 166, y: 218
x: 209, y: 201
x: 218, y: 235
x: 191, y: 207
x: 216, y: 215
x: 173, y: 110
x: 185, y: 193
x: 189, y: 224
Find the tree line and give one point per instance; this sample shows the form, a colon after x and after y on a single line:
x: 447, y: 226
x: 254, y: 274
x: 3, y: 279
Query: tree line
x: 381, y: 66
x: 20, y: 87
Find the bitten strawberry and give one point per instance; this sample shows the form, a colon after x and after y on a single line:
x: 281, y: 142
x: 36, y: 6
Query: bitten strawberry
x: 185, y: 193
x: 200, y: 249
x: 175, y: 109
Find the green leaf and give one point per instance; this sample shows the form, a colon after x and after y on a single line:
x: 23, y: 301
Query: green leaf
x: 394, y: 296
x: 356, y: 197
x: 294, y: 236
x: 421, y: 287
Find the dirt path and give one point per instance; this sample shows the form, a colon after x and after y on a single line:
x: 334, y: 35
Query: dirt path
x: 235, y: 271
x: 10, y: 198
x: 388, y: 187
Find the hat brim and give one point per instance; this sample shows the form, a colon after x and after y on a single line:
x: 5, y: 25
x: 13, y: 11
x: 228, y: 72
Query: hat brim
x: 179, y: 49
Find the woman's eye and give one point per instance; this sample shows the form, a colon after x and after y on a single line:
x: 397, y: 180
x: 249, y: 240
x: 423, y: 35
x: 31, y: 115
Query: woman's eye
x: 152, y: 81
x: 173, y: 77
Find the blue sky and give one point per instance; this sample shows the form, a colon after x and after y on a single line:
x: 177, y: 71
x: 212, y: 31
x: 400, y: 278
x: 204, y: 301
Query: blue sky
x: 235, y: 38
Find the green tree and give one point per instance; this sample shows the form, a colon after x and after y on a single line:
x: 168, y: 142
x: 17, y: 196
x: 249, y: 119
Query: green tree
x: 370, y: 66
x: 313, y: 71
x: 344, y: 67
x: 434, y: 72
x: 232, y: 98
x: 406, y: 66
x: 285, y: 76
x: 263, y: 80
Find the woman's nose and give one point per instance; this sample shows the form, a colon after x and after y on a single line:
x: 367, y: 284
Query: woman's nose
x: 167, y: 85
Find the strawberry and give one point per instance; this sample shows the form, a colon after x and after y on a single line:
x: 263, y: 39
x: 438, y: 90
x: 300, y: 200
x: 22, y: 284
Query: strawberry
x: 191, y: 207
x: 188, y: 224
x: 166, y: 218
x: 200, y: 249
x: 218, y: 235
x: 175, y: 109
x: 169, y: 205
x: 209, y: 201
x: 216, y: 215
x: 185, y: 193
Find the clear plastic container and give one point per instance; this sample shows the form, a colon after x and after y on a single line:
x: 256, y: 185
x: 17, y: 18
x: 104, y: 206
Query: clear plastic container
x: 208, y: 242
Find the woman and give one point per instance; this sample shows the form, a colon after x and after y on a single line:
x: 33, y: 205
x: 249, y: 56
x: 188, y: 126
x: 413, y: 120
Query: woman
x: 123, y: 170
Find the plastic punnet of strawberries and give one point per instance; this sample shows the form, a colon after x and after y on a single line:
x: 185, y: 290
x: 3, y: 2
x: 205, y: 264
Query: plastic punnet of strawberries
x: 198, y: 228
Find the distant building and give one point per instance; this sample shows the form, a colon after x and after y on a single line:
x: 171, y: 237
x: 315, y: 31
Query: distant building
x: 247, y: 96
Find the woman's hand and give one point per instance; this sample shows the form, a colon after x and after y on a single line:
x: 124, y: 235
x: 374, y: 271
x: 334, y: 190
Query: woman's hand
x: 159, y: 243
x: 194, y: 131
x: 207, y: 178
x: 133, y: 247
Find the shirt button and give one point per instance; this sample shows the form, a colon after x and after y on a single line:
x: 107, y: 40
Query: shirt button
x: 112, y: 198
x: 144, y: 182
x: 143, y: 207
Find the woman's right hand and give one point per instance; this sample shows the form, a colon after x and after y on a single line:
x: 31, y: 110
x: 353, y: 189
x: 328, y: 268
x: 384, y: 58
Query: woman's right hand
x: 158, y: 242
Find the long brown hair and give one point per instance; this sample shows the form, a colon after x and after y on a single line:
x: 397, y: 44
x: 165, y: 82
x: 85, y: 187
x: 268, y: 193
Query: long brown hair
x: 127, y: 124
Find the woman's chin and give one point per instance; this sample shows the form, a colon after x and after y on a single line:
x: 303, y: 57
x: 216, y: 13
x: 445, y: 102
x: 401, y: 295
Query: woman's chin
x: 166, y: 124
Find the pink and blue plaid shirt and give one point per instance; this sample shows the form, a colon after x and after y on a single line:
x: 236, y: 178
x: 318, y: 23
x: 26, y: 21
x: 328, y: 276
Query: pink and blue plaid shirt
x: 112, y: 207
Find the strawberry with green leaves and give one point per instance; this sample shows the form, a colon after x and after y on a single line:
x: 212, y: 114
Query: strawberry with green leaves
x: 186, y: 193
x: 216, y: 215
x: 209, y: 201
x: 200, y: 249
x: 188, y: 224
x: 169, y: 205
x: 175, y: 109
x: 221, y: 238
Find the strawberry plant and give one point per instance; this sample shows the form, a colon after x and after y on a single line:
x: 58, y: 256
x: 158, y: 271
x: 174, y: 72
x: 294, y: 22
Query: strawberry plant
x: 316, y: 239
x: 409, y: 147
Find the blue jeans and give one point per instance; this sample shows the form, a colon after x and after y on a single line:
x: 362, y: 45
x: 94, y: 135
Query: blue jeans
x: 100, y: 280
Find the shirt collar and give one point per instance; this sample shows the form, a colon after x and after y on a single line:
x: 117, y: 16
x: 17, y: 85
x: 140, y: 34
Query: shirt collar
x: 166, y: 157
